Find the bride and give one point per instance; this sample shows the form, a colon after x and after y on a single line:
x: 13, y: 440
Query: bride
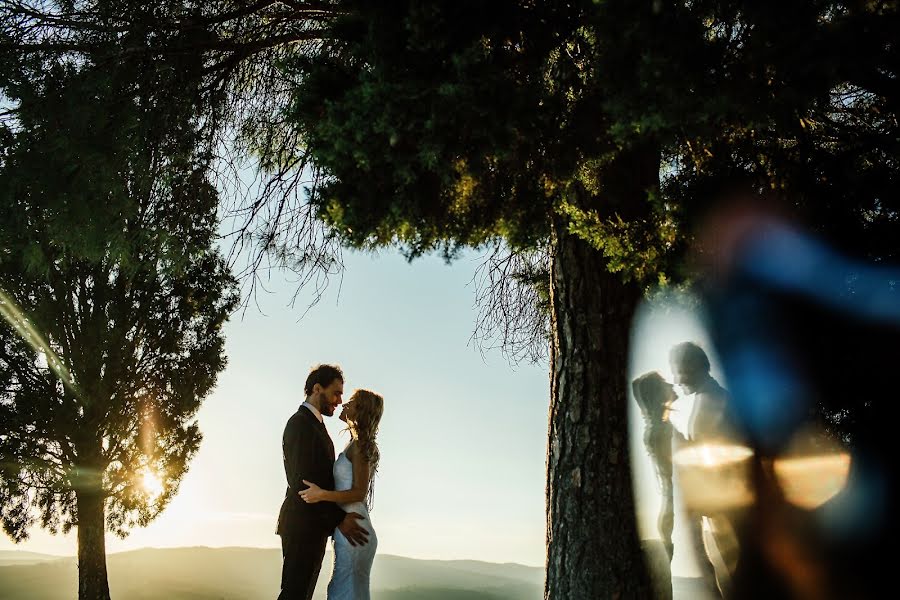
x: 654, y: 396
x: 354, y: 474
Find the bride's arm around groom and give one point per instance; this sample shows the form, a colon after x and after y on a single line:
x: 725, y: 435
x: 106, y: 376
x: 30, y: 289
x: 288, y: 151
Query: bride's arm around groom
x: 315, y: 494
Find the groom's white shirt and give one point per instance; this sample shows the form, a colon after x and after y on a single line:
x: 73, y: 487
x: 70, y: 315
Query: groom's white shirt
x: 709, y: 407
x: 314, y: 411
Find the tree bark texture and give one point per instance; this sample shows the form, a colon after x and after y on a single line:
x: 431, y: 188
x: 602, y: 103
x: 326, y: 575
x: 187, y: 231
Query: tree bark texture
x: 593, y: 546
x: 92, y: 577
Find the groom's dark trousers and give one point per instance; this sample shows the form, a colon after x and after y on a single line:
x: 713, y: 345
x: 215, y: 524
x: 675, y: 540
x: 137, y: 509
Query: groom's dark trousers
x: 304, y: 528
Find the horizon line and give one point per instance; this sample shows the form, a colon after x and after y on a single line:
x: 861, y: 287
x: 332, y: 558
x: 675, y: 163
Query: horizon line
x: 328, y: 550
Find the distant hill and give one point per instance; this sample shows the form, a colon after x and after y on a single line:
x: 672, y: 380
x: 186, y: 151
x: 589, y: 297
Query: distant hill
x: 16, y: 557
x: 253, y: 574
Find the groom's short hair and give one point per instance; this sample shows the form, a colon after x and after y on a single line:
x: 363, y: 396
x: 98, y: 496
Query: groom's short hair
x: 691, y: 356
x: 324, y: 375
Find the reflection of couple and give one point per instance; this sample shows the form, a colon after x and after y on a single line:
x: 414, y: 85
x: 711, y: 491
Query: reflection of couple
x: 327, y: 498
x: 654, y: 396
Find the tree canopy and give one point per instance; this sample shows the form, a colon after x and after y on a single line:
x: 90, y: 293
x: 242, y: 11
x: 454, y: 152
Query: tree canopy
x: 444, y: 125
x: 113, y: 296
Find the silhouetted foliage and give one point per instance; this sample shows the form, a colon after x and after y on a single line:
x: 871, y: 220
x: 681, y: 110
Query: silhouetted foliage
x: 112, y: 292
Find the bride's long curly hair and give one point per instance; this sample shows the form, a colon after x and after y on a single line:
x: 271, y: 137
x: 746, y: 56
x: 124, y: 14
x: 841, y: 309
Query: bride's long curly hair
x: 364, y: 429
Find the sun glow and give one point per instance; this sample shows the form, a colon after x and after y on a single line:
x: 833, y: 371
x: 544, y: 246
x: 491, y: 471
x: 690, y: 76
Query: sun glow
x: 152, y: 484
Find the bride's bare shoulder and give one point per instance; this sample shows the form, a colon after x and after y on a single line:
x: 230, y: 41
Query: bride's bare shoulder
x: 350, y: 450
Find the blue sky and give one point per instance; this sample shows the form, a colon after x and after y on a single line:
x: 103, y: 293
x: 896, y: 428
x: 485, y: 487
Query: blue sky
x: 463, y: 437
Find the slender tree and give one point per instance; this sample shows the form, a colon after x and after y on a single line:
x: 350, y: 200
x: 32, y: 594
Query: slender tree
x: 112, y: 292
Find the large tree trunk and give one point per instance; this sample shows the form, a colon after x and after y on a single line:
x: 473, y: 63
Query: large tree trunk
x: 593, y: 545
x: 92, y: 580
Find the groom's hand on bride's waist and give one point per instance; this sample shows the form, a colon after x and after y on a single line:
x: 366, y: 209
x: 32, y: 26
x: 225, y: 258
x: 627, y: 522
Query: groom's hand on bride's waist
x: 355, y: 534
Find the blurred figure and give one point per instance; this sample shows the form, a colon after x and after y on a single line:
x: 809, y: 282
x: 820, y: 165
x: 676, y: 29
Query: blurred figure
x: 809, y: 340
x: 654, y: 395
x: 710, y: 532
x: 690, y: 366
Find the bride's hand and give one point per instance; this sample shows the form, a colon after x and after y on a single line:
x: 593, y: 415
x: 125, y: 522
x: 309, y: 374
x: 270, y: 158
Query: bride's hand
x: 313, y: 494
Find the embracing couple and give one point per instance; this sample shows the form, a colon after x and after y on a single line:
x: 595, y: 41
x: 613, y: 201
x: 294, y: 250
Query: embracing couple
x: 327, y: 497
x: 710, y: 423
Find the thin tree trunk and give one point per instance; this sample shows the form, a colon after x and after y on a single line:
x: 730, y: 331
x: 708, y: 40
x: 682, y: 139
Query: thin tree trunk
x: 92, y: 578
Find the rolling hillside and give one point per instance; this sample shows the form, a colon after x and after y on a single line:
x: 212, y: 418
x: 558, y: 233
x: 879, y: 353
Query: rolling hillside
x: 253, y: 574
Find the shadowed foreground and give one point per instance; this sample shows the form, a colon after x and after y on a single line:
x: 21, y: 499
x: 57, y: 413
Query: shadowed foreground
x: 253, y: 573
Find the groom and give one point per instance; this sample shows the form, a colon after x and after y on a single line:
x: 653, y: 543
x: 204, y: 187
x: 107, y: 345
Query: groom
x: 309, y: 454
x: 709, y: 423
x: 709, y: 417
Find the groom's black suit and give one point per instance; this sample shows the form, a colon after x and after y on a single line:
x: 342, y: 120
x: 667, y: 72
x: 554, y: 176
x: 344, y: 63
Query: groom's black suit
x: 304, y: 528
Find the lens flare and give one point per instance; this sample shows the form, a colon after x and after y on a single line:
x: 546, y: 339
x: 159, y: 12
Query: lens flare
x: 712, y: 455
x: 810, y: 481
x: 714, y: 477
x: 24, y: 328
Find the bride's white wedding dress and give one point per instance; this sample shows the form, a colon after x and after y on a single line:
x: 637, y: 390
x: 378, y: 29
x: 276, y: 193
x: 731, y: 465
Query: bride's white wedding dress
x: 352, y: 564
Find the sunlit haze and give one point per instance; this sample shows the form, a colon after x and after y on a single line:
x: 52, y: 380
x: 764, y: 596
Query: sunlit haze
x: 463, y: 436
